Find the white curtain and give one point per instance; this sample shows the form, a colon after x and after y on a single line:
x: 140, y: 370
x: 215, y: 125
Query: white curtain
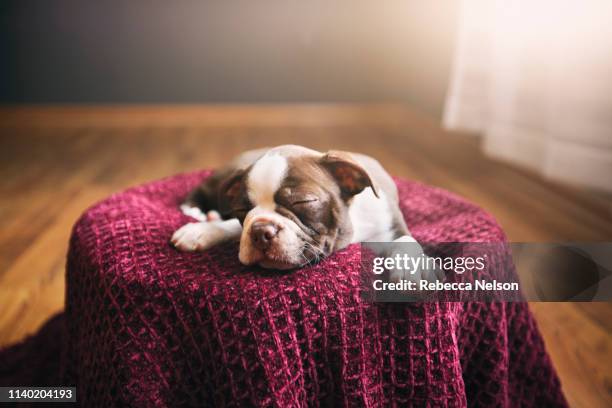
x: 535, y: 78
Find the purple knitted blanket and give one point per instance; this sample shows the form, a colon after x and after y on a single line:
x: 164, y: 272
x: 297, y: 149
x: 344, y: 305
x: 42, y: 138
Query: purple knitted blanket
x: 147, y: 325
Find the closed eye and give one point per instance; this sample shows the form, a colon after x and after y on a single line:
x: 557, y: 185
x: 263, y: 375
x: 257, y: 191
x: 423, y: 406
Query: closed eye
x: 304, y: 201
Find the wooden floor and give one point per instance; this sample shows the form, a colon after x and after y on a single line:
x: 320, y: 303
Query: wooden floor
x: 55, y: 162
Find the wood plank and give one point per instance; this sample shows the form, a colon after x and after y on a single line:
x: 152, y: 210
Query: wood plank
x: 32, y: 289
x: 253, y: 116
x: 581, y: 351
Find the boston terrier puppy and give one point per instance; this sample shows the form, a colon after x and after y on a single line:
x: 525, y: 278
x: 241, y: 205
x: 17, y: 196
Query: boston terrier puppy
x: 290, y: 206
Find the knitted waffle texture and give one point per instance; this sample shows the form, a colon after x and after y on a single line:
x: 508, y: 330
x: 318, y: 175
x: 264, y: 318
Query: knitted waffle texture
x: 149, y: 326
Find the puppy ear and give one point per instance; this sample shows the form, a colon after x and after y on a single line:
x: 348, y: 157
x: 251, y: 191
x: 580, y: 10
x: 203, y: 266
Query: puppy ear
x: 350, y: 176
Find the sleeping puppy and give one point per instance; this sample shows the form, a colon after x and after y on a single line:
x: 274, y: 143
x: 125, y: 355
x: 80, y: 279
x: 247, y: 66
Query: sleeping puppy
x: 290, y: 206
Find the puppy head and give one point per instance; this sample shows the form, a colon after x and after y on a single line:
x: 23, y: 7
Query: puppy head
x: 293, y: 207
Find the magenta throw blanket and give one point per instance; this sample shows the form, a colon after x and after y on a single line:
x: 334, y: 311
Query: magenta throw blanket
x: 148, y: 326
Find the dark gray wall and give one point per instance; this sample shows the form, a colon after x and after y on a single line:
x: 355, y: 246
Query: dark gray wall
x: 77, y: 51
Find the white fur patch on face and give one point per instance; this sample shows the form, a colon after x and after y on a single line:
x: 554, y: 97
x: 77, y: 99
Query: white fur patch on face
x: 263, y: 181
x: 265, y: 178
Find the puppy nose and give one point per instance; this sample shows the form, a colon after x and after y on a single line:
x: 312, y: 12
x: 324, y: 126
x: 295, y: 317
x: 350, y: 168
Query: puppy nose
x: 263, y: 233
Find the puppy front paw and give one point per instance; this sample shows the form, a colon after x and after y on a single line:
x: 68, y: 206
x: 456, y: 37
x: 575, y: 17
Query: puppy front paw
x: 419, y: 266
x: 397, y: 275
x: 198, y: 236
x: 196, y: 213
x: 193, y: 212
x: 190, y: 237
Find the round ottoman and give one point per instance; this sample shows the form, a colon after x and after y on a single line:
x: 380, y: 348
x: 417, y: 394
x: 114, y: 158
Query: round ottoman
x: 151, y: 326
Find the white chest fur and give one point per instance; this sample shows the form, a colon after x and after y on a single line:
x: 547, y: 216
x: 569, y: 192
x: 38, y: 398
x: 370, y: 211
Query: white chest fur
x: 371, y: 218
